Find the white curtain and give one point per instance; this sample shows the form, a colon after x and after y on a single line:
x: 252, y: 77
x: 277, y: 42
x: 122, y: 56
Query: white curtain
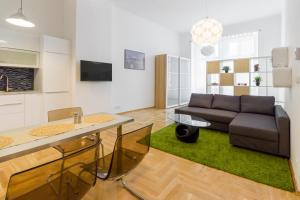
x: 238, y: 46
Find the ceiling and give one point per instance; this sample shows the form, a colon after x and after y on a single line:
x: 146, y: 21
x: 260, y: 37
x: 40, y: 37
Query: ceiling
x: 180, y: 15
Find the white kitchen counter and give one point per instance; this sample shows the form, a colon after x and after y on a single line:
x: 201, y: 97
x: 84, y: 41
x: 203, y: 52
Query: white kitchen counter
x: 20, y: 92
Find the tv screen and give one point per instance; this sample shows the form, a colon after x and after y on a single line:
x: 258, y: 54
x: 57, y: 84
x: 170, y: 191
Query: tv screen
x: 95, y: 71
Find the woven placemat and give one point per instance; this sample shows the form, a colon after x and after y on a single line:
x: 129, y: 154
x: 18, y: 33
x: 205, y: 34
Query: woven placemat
x: 50, y: 130
x: 5, y: 141
x: 98, y: 119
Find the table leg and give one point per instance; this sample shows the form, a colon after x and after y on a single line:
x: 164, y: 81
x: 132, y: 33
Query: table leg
x: 97, y: 153
x: 119, y: 130
x: 119, y: 148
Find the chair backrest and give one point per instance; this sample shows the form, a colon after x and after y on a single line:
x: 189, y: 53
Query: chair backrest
x: 129, y: 151
x: 64, y: 113
x: 45, y: 181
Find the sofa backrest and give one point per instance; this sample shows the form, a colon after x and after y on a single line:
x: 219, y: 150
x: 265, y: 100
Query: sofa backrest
x: 201, y: 100
x: 226, y: 102
x: 258, y: 104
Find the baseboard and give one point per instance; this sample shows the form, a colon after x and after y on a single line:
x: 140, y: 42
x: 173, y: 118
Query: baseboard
x: 294, y: 178
x: 139, y: 109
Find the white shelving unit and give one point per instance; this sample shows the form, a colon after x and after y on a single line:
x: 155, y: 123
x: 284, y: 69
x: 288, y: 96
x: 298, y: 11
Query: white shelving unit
x: 240, y: 78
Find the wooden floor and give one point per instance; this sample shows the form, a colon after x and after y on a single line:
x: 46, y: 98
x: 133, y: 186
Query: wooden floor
x: 160, y: 175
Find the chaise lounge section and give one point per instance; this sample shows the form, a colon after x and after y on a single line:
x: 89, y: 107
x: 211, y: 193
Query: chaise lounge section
x: 253, y: 122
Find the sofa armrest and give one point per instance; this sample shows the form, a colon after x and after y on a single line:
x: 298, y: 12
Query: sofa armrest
x: 283, y: 126
x: 180, y: 110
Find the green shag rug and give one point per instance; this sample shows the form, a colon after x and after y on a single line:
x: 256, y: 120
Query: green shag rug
x: 214, y: 150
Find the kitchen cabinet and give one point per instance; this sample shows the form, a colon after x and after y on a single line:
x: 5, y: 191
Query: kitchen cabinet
x: 19, y: 58
x: 34, y: 109
x: 55, y: 64
x: 11, y: 112
x: 20, y: 110
x: 55, y: 72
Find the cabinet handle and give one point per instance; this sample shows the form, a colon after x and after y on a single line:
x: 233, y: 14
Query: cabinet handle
x: 10, y: 104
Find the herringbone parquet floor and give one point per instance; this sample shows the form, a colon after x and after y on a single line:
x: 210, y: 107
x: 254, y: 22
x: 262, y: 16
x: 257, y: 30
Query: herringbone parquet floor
x: 160, y: 175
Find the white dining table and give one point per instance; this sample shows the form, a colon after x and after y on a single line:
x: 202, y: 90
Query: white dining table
x: 24, y: 143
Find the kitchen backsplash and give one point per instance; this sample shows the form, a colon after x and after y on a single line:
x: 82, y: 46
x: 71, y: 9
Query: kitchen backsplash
x: 19, y: 79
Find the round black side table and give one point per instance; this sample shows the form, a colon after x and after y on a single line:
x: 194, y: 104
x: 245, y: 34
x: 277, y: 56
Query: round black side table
x: 188, y: 126
x: 187, y: 134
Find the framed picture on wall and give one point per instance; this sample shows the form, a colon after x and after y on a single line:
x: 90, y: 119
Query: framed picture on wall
x: 134, y: 60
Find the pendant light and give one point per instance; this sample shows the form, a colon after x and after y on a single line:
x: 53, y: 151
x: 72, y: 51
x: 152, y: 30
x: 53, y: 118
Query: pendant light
x: 19, y: 19
x: 206, y: 33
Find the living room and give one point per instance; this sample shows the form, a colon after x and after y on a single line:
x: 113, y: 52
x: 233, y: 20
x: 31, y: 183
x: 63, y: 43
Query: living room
x: 213, y: 84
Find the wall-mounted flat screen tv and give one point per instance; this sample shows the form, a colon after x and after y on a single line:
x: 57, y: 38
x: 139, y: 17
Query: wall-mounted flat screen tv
x: 95, y: 71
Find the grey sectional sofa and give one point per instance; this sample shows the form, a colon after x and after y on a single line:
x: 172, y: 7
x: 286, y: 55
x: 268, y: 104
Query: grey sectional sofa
x: 253, y: 122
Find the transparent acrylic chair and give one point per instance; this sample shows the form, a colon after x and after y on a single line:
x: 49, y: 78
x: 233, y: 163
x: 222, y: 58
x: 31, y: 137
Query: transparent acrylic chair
x: 74, y: 145
x: 129, y: 150
x: 49, y: 182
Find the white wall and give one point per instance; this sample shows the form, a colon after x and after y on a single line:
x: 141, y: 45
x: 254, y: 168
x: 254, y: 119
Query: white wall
x: 103, y: 31
x: 185, y: 45
x: 269, y: 35
x: 292, y: 34
x: 93, y: 42
x: 70, y: 34
x: 19, y: 40
x: 134, y: 89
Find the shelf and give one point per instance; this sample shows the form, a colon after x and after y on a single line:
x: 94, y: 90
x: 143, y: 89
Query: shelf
x: 18, y: 66
x: 214, y: 74
x: 260, y: 86
x: 242, y: 71
x: 261, y: 72
x: 18, y: 58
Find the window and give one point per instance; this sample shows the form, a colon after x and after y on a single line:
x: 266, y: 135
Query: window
x: 238, y: 46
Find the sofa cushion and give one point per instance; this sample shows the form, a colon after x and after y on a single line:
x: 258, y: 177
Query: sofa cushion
x: 215, y: 115
x: 258, y: 104
x: 225, y: 102
x: 201, y: 100
x: 254, y: 126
